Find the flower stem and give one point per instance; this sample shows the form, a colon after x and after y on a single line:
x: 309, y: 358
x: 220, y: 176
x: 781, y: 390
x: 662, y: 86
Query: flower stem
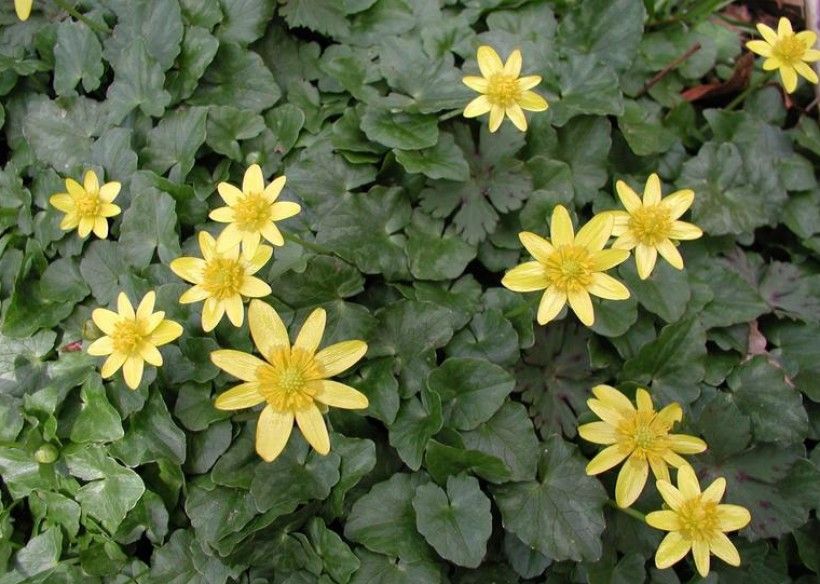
x: 101, y: 28
x: 627, y: 511
x: 759, y: 82
x: 450, y: 114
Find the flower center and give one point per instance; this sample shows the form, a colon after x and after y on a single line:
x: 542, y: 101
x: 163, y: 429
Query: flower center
x: 252, y: 212
x: 288, y: 382
x: 641, y: 435
x: 223, y: 277
x: 569, y: 268
x: 698, y: 519
x: 651, y: 225
x: 789, y: 49
x: 88, y: 205
x: 503, y: 90
x: 126, y: 337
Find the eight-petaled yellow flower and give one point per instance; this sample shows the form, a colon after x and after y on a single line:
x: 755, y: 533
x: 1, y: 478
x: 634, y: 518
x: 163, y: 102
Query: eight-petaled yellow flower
x: 252, y: 212
x: 23, y: 8
x: 87, y: 206
x: 787, y: 51
x: 639, y: 436
x: 651, y: 226
x: 503, y: 90
x: 222, y: 279
x: 293, y: 380
x: 696, y: 521
x: 131, y: 338
x: 569, y: 267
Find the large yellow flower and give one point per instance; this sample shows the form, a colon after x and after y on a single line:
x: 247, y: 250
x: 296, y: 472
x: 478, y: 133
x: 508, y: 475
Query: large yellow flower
x: 651, y: 226
x: 569, y: 267
x: 252, y: 212
x: 222, y: 279
x: 786, y: 51
x: 293, y: 380
x: 696, y: 521
x: 503, y: 90
x: 87, y: 206
x: 131, y: 338
x: 639, y: 436
x: 23, y: 8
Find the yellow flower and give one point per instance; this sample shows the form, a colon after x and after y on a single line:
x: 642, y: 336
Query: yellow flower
x: 651, y: 226
x: 251, y: 213
x: 131, y: 338
x: 569, y: 267
x: 23, y: 8
x: 696, y: 521
x: 221, y: 279
x: 786, y: 51
x: 639, y: 436
x: 87, y: 205
x: 503, y: 90
x: 293, y: 380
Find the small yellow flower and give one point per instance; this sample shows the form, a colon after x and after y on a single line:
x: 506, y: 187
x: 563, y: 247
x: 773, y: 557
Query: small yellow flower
x: 786, y: 51
x: 639, y: 436
x: 569, y: 267
x: 252, y: 212
x: 131, y: 338
x: 221, y: 279
x: 23, y: 8
x: 87, y: 205
x: 651, y: 226
x: 696, y: 521
x: 503, y: 90
x: 293, y: 380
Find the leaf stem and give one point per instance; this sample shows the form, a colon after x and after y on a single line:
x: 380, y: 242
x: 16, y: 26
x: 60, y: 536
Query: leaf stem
x: 450, y: 114
x: 309, y: 245
x: 756, y: 84
x: 101, y: 28
x: 627, y: 511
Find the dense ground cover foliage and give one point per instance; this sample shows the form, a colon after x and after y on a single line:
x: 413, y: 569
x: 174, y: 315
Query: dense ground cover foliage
x: 459, y: 455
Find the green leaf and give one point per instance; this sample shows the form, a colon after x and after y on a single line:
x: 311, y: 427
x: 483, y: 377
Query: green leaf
x: 733, y: 301
x: 111, y: 490
x: 587, y: 86
x: 198, y: 50
x: 41, y: 553
x: 358, y: 459
x: 488, y: 336
x: 642, y: 126
x: 339, y: 562
x: 666, y: 293
x: 156, y: 24
x: 796, y: 346
x: 97, y: 421
x: 244, y: 21
x: 173, y: 143
x: 138, y: 83
x: 774, y: 406
x: 400, y: 130
x: 151, y: 435
x: 21, y: 361
x: 22, y: 474
x: 77, y: 57
x: 149, y: 224
x: 561, y: 513
x: 228, y: 125
x: 384, y: 521
x: 457, y: 523
x: 325, y: 279
x: 471, y: 390
x: 418, y: 420
x: 792, y: 291
x: 441, y: 461
x: 238, y: 78
x: 194, y: 407
x: 445, y: 160
x: 379, y: 569
x: 434, y: 252
x: 326, y: 17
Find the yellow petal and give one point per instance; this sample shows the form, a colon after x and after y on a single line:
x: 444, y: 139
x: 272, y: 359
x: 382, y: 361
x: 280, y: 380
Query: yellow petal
x: 629, y: 198
x: 674, y: 459
x: 643, y: 400
x: 631, y: 480
x: 626, y: 241
x: 267, y: 329
x: 241, y: 365
x: 700, y: 551
x: 272, y: 234
x: 70, y: 221
x: 607, y: 412
x: 272, y: 432
x: 772, y: 63
x: 253, y: 181
x: 62, y: 201
x: 222, y: 215
x: 581, y: 305
x: 229, y: 238
x: 488, y: 61
x: 100, y: 227
x: 552, y: 301
x: 100, y: 347
x: 313, y: 428
x: 340, y: 357
x: 513, y: 65
x: 528, y: 82
x: 683, y: 230
x: 598, y: 433
x: 608, y: 258
x: 678, y: 202
x: 229, y: 193
x: 150, y: 355
x: 212, y: 312
x: 805, y: 71
x: 516, y: 115
x: 260, y: 258
x: 613, y: 398
x: 106, y: 320
x: 284, y: 209
x: 671, y: 496
x: 90, y: 182
x: 666, y: 520
x: 620, y: 222
x: 688, y: 482
x: 112, y: 364
x: 477, y: 107
x: 670, y: 253
x: 789, y: 78
x: 146, y: 306
x: 722, y: 547
x: 254, y: 288
x: 671, y: 550
x: 784, y: 27
x: 561, y: 231
x: 606, y: 459
x: 109, y: 210
x: 807, y: 37
x: 733, y: 517
x: 669, y: 415
x: 109, y: 191
x: 645, y: 258
x: 207, y: 245
x: 235, y: 310
x: 74, y: 188
x: 767, y: 33
x: 339, y: 395
x: 685, y: 444
x: 596, y: 232
x: 539, y: 248
x: 124, y: 307
x: 244, y: 395
x: 166, y: 331
x: 496, y: 117
x: 310, y: 335
x: 274, y: 189
x: 811, y: 55
x: 714, y: 492
x: 533, y: 102
x: 189, y: 269
x: 652, y: 190
x: 132, y: 371
x: 86, y: 226
x: 527, y: 277
x: 194, y: 294
x: 250, y: 244
x: 762, y: 48
x: 475, y: 83
x: 659, y: 467
x: 23, y: 8
x: 607, y: 287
